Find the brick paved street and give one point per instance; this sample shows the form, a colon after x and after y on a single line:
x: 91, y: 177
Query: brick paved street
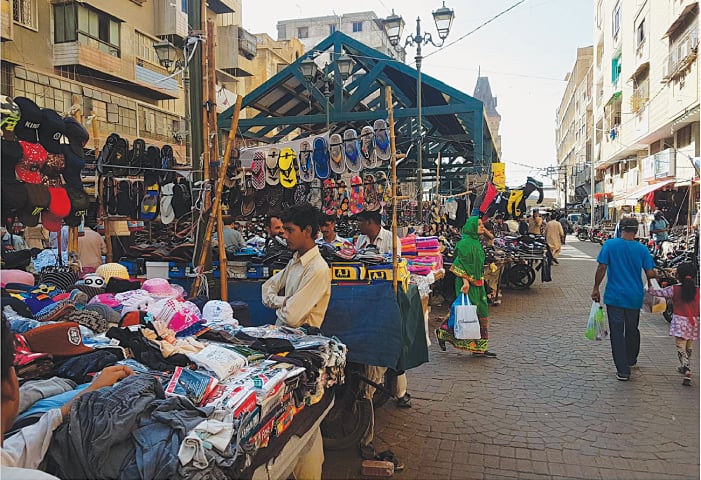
x: 549, y: 406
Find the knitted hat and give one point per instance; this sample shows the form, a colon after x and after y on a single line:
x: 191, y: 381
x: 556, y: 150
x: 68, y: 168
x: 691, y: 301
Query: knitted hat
x: 80, y: 201
x: 106, y: 299
x: 109, y: 314
x: 54, y: 166
x: 60, y: 339
x: 93, y: 280
x: 55, y: 311
x: 62, y: 279
x: 16, y: 276
x: 52, y: 131
x: 28, y: 127
x: 92, y: 319
x: 78, y: 297
x: 109, y: 270
x: 89, y: 290
x: 17, y: 305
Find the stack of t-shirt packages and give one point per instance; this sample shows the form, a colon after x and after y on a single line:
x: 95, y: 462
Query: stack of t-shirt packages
x: 423, y: 253
x: 208, y: 394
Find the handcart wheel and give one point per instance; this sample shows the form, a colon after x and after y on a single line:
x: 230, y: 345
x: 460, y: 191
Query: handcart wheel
x: 521, y: 276
x: 348, y: 420
x: 381, y: 396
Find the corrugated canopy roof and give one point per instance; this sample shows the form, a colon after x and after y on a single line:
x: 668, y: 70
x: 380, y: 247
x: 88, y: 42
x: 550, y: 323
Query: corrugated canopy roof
x: 454, y: 123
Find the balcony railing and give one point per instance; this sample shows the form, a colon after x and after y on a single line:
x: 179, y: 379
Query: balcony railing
x: 248, y: 43
x: 682, y: 53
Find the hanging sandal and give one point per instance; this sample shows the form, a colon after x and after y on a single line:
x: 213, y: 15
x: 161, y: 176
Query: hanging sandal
x: 336, y: 154
x: 356, y: 195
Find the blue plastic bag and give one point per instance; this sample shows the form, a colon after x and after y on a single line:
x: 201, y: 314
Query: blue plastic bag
x: 458, y: 301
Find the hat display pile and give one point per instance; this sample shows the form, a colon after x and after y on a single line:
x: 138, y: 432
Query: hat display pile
x: 41, y: 158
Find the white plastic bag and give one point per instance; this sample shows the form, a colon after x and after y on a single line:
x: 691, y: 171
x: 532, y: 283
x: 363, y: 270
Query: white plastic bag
x: 467, y: 325
x: 651, y: 303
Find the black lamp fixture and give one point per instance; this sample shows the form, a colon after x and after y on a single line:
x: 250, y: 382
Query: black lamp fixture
x: 309, y: 69
x: 394, y: 26
x: 169, y: 56
x: 345, y: 66
x: 444, y: 20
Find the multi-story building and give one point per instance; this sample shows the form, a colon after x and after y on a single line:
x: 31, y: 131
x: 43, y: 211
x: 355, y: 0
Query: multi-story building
x: 365, y: 27
x: 95, y: 59
x: 646, y: 103
x: 573, y: 131
x: 483, y: 93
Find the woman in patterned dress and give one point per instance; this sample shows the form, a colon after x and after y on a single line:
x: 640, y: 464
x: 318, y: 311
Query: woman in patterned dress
x: 468, y: 268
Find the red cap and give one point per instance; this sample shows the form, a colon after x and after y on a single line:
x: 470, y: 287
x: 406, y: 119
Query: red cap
x: 60, y: 339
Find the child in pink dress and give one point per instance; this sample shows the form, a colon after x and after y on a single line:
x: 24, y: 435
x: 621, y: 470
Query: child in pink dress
x: 685, y: 320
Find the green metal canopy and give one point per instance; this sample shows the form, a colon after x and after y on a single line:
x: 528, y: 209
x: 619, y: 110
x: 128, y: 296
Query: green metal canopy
x: 454, y: 123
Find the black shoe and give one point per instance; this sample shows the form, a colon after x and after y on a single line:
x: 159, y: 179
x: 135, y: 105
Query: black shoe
x: 404, y: 402
x: 686, y: 382
x: 388, y: 456
x: 367, y: 452
x: 490, y: 354
x: 441, y: 343
x: 622, y: 378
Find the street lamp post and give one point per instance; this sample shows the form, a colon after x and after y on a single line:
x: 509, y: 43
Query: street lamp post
x: 310, y: 71
x: 394, y: 24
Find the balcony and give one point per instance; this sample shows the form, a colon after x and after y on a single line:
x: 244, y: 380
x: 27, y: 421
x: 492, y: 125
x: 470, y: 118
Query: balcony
x: 92, y: 61
x: 170, y: 19
x: 6, y: 23
x: 235, y: 49
x: 682, y: 54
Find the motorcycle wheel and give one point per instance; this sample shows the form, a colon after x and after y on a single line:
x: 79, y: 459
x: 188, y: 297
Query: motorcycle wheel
x: 348, y: 420
x: 521, y: 276
x: 390, y: 381
x: 582, y: 236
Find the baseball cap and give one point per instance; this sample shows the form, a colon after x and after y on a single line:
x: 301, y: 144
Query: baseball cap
x: 60, y: 339
x: 52, y: 131
x: 77, y: 135
x: 38, y: 198
x: 28, y: 127
x: 9, y: 112
x: 34, y: 157
x: 10, y: 155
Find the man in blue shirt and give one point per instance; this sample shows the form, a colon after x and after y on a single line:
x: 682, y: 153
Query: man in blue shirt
x: 622, y: 261
x: 659, y: 228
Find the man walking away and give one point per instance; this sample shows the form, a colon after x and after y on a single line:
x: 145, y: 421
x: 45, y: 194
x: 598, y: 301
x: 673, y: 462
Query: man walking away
x: 658, y: 229
x: 621, y: 260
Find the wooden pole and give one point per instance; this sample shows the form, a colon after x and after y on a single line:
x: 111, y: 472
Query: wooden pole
x: 207, y: 242
x: 205, y: 121
x: 438, y: 175
x: 213, y: 141
x: 224, y: 283
x: 392, y: 141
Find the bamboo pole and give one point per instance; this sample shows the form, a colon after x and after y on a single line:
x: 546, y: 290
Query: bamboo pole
x: 224, y: 282
x: 205, y: 128
x: 207, y: 242
x: 438, y: 175
x: 393, y: 146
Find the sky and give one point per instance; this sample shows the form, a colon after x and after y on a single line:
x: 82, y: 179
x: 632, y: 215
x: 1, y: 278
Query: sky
x: 526, y: 54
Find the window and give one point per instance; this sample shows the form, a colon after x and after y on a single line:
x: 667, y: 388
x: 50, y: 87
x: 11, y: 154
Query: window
x: 6, y: 77
x: 641, y: 91
x: 332, y: 28
x: 144, y: 48
x: 684, y: 136
x: 94, y: 28
x: 183, y: 6
x: 303, y: 32
x: 640, y: 33
x: 616, y: 20
x: 25, y: 13
x: 615, y: 69
x: 357, y: 27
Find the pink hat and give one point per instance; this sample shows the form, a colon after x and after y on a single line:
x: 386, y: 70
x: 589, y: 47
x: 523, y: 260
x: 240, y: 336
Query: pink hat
x: 16, y: 276
x: 160, y: 288
x: 106, y: 299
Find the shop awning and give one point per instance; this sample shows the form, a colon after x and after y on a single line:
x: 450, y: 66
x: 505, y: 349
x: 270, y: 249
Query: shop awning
x: 632, y: 197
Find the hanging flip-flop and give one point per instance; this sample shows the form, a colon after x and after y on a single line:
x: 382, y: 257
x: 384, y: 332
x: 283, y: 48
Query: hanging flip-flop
x: 167, y: 214
x: 272, y: 169
x: 306, y: 165
x: 260, y: 199
x: 382, y: 150
x: 167, y: 175
x: 337, y: 154
x: 328, y: 203
x: 258, y: 170
x: 153, y: 162
x: 248, y: 204
x: 315, y: 193
x: 382, y: 188
x: 370, y: 194
x: 301, y: 193
x: 108, y: 153
x: 123, y: 196
x: 357, y: 201
x: 367, y: 147
x: 320, y: 155
x: 149, y: 205
x: 342, y: 199
x: 352, y: 149
x: 288, y: 174
x: 121, y: 157
x: 138, y: 153
x: 275, y: 196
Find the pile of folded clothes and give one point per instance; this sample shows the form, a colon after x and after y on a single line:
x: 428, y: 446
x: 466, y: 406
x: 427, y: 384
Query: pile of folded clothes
x: 423, y: 253
x: 208, y: 396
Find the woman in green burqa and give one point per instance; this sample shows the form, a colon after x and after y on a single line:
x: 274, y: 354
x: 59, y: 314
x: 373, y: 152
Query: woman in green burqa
x: 468, y: 268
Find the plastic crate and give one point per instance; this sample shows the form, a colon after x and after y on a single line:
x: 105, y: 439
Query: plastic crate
x: 347, y: 271
x: 177, y: 270
x: 135, y: 266
x: 157, y: 270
